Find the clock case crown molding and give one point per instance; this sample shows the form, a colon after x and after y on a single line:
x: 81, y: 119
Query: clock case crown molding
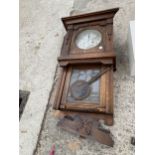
x: 101, y: 21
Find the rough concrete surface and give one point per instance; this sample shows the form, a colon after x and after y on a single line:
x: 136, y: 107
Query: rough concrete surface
x: 41, y: 36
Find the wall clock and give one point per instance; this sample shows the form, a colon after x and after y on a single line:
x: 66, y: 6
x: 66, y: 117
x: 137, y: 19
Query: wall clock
x: 88, y: 61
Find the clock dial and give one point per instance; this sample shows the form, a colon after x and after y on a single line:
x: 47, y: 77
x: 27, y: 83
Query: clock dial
x: 88, y: 39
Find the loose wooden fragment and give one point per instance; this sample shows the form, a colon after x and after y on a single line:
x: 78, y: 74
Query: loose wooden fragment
x: 86, y: 127
x: 74, y: 145
x: 107, y: 119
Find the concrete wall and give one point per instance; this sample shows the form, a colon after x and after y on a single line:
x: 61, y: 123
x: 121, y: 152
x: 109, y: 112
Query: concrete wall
x: 41, y: 36
x: 131, y: 47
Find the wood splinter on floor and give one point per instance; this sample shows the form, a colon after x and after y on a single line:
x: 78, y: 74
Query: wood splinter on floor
x: 86, y: 127
x: 74, y: 145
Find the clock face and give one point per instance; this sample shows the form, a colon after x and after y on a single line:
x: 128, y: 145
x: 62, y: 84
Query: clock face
x: 88, y: 39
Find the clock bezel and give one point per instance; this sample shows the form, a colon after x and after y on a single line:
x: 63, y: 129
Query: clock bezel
x: 76, y: 50
x: 78, y: 39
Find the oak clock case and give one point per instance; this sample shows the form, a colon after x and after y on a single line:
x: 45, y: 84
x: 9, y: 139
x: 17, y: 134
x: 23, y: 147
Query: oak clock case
x: 88, y: 61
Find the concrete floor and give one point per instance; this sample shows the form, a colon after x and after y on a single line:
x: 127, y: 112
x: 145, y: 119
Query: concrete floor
x: 41, y: 36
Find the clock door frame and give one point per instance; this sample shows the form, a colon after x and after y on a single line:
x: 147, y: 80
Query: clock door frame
x: 105, y: 104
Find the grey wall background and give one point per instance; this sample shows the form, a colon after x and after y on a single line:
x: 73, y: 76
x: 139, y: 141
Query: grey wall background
x: 41, y: 36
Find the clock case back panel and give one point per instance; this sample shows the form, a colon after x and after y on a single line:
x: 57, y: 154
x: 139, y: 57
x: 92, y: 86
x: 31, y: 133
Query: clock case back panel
x: 71, y: 56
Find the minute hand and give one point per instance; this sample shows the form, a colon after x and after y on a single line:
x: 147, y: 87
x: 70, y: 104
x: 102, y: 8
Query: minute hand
x: 93, y: 79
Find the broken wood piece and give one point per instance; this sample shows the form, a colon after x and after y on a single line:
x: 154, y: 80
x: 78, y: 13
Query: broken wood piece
x: 74, y: 145
x: 86, y: 127
x: 107, y: 119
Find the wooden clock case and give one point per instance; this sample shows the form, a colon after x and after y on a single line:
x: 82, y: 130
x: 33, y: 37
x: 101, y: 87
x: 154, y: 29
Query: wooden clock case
x: 101, y: 56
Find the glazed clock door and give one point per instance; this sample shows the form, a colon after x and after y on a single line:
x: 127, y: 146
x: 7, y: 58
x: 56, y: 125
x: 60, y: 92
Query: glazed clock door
x: 86, y: 89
